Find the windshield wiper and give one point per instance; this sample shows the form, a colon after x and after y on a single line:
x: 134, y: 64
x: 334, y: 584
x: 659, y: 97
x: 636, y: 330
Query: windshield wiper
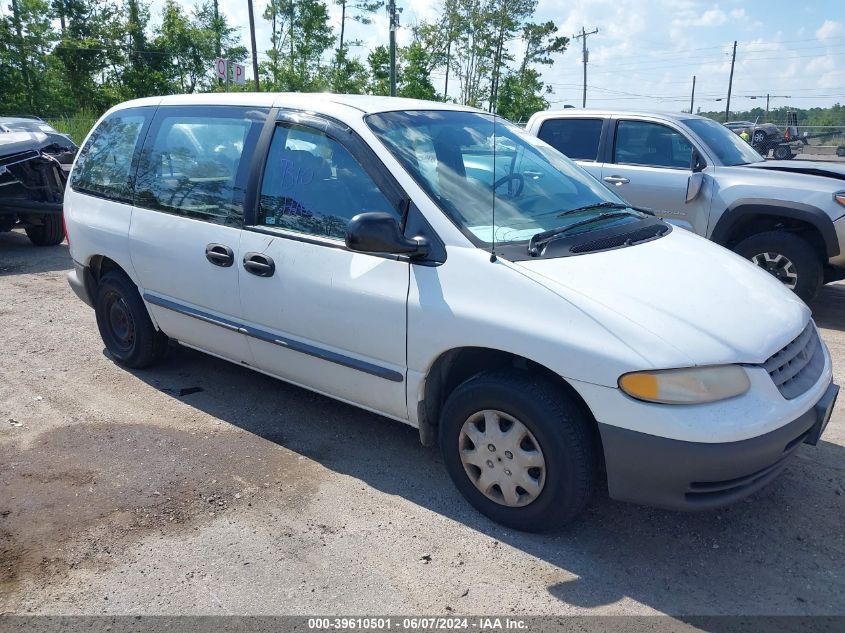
x: 545, y: 236
x: 595, y: 205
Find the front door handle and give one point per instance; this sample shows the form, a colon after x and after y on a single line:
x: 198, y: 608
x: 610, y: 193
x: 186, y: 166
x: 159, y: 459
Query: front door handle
x: 220, y: 255
x: 259, y: 264
x: 616, y: 180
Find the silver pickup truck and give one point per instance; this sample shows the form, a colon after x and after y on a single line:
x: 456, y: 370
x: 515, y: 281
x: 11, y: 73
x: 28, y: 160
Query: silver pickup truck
x: 786, y: 216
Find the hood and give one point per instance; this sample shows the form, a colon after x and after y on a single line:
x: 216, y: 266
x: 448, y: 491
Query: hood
x: 809, y: 167
x: 708, y: 305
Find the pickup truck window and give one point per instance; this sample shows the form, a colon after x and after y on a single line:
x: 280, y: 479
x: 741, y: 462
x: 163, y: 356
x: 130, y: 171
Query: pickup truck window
x: 726, y: 145
x: 576, y: 138
x: 651, y: 144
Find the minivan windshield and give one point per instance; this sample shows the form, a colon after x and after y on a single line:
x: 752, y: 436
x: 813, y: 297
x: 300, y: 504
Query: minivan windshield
x: 728, y: 147
x: 466, y: 161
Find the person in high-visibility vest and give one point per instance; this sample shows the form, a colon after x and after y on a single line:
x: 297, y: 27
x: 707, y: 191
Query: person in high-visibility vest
x: 745, y: 136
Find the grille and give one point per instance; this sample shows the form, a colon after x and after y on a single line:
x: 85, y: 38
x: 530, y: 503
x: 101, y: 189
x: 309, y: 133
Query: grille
x: 798, y: 366
x: 615, y: 241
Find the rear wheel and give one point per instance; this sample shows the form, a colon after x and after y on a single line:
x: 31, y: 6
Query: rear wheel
x: 518, y: 449
x: 790, y: 258
x: 124, y: 324
x: 50, y: 233
x: 783, y: 152
x: 759, y: 137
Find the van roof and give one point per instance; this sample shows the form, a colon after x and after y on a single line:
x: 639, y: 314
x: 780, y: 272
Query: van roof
x: 365, y: 103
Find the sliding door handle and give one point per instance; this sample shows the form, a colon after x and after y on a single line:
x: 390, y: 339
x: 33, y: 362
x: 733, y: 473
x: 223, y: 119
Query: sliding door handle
x: 220, y: 255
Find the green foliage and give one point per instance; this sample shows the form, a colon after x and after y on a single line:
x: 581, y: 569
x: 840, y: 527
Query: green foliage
x: 832, y: 116
x: 65, y: 56
x: 300, y: 36
x: 521, y: 95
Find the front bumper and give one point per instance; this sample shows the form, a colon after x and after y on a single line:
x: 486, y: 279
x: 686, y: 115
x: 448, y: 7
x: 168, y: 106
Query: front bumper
x: 680, y: 475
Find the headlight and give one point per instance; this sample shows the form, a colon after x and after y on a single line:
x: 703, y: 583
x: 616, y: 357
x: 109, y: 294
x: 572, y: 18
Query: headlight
x: 840, y: 197
x: 691, y: 385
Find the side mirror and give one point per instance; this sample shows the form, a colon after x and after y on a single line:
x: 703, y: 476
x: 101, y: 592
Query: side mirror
x: 379, y: 232
x: 698, y: 163
x: 694, y: 184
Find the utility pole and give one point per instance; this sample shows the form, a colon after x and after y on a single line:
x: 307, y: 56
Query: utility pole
x: 692, y: 97
x: 252, y: 40
x: 730, y: 84
x: 393, y: 15
x: 585, y: 55
x: 768, y: 97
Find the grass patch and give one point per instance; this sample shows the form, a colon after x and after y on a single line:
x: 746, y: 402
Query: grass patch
x: 77, y: 126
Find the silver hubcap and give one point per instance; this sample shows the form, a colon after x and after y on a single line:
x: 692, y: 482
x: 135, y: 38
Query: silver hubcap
x: 778, y: 265
x: 502, y: 458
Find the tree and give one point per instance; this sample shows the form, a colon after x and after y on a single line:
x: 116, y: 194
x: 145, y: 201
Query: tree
x: 26, y: 37
x: 145, y: 71
x: 86, y: 50
x: 507, y: 18
x: 426, y: 52
x: 190, y: 41
x: 379, y: 62
x: 522, y: 92
x: 300, y: 36
x: 349, y: 74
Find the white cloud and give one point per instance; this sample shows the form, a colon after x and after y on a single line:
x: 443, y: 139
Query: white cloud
x: 829, y: 30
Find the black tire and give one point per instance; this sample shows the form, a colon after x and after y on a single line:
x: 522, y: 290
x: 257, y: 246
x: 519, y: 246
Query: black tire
x: 807, y: 263
x: 783, y: 152
x: 563, y: 432
x: 7, y: 223
x: 51, y: 233
x: 759, y: 137
x: 125, y: 326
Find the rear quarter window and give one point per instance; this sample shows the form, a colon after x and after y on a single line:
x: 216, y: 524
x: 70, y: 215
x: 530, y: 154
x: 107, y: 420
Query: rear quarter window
x: 105, y: 165
x: 576, y: 138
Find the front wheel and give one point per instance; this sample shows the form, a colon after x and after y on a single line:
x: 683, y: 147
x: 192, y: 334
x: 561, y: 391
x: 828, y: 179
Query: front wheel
x: 50, y: 233
x: 790, y: 258
x: 518, y: 449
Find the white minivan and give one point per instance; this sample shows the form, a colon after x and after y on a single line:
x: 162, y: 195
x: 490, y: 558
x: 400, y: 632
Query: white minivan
x: 436, y: 265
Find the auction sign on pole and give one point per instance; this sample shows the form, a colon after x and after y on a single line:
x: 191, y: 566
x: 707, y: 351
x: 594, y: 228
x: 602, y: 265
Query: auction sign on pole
x: 221, y: 69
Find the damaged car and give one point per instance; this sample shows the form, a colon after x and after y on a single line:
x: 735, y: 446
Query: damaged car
x: 35, y: 160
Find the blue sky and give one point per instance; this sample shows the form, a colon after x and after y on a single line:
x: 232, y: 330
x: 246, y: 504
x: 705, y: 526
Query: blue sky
x: 647, y: 51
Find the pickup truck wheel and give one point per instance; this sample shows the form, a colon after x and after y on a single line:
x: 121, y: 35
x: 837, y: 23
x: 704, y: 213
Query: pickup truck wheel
x: 125, y: 326
x: 759, y: 137
x: 518, y: 449
x: 788, y: 257
x: 51, y: 233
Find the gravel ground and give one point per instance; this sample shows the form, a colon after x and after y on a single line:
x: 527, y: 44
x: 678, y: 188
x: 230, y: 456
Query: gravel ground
x: 121, y: 493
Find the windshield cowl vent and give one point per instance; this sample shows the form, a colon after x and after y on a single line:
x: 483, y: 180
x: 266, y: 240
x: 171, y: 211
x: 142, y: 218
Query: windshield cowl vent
x: 644, y: 234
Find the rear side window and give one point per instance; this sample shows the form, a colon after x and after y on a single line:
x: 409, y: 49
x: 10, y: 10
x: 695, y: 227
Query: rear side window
x: 105, y: 164
x: 196, y: 161
x: 576, y: 138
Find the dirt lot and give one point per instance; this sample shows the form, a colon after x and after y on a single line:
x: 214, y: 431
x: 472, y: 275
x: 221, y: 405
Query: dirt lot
x: 122, y: 493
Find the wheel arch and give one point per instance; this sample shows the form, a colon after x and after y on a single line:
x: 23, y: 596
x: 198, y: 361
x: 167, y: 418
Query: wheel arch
x: 454, y: 366
x: 746, y: 217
